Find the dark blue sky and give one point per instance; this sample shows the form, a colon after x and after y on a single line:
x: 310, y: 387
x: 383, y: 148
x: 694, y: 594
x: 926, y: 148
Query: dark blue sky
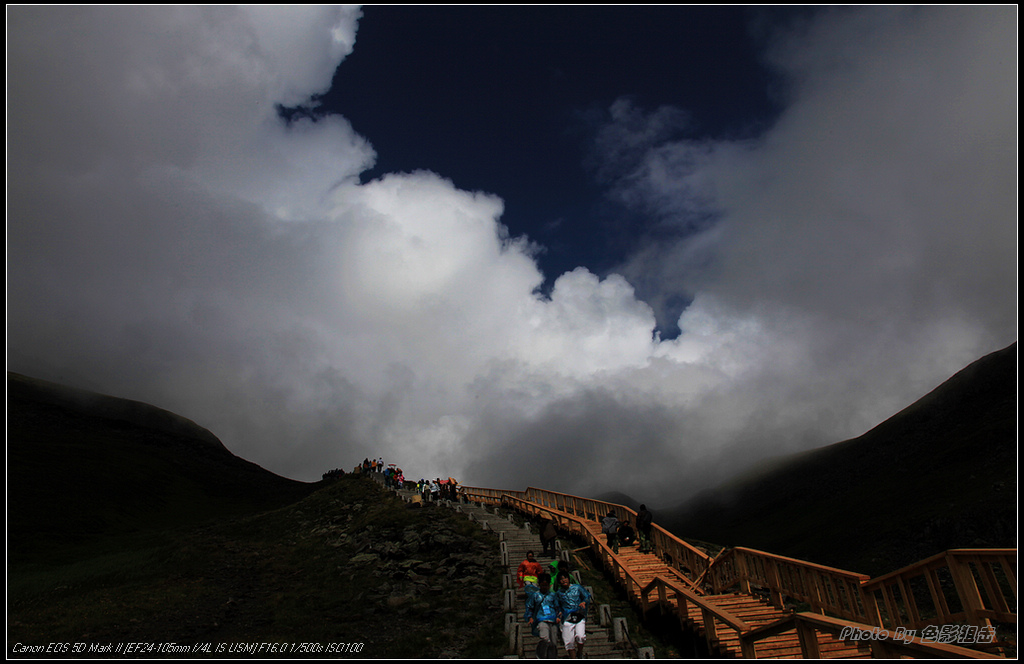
x: 508, y: 100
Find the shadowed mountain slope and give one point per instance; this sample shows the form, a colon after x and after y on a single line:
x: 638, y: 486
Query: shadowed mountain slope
x: 940, y: 474
x: 82, y: 467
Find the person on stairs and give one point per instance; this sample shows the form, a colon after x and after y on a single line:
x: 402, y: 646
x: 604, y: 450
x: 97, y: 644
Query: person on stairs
x: 626, y: 536
x: 644, y: 519
x: 542, y: 616
x: 573, y: 600
x: 610, y: 527
x: 548, y: 535
x: 529, y: 570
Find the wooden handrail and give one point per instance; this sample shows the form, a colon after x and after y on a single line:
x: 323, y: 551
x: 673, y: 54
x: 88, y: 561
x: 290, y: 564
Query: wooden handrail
x: 487, y: 496
x: 984, y: 581
x: 575, y: 525
x: 825, y: 589
x: 884, y: 643
x: 667, y: 546
x: 981, y: 581
x: 709, y: 611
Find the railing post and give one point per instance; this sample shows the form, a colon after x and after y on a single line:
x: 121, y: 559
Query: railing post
x: 913, y: 615
x: 682, y: 610
x: 818, y: 599
x: 775, y: 583
x: 744, y: 575
x: 619, y: 629
x: 710, y: 631
x: 871, y: 613
x: 988, y: 579
x: 516, y: 640
x: 938, y: 597
x: 808, y: 640
x: 747, y: 648
x: 966, y: 587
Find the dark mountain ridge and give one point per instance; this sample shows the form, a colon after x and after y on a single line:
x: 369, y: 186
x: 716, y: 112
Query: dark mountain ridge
x: 83, y: 467
x: 939, y: 474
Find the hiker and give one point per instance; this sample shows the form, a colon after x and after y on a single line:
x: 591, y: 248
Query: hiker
x: 542, y: 616
x: 572, y: 602
x: 528, y: 570
x: 644, y: 519
x: 626, y: 535
x: 555, y: 567
x: 610, y: 527
x: 548, y: 535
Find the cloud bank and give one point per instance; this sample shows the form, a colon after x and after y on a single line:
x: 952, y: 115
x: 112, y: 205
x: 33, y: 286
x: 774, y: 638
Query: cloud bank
x: 172, y: 240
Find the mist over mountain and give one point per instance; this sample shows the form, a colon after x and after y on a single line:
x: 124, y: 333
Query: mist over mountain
x: 939, y: 474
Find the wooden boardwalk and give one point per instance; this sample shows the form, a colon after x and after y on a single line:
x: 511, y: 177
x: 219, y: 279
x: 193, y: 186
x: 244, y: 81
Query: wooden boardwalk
x: 738, y: 600
x: 515, y: 542
x: 754, y: 611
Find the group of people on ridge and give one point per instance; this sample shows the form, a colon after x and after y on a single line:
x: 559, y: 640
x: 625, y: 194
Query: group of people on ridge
x: 394, y: 478
x: 553, y: 611
x: 438, y: 489
x: 373, y: 465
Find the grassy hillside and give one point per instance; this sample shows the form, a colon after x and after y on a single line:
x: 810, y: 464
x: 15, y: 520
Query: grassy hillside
x: 83, y: 469
x: 349, y: 564
x: 940, y: 474
x: 127, y: 523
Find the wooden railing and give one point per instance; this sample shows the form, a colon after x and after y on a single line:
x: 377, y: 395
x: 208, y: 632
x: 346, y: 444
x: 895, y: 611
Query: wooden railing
x: 678, y: 553
x: 574, y: 525
x: 974, y: 586
x: 487, y: 496
x: 825, y: 589
x: 662, y: 587
x: 886, y: 611
x: 884, y: 644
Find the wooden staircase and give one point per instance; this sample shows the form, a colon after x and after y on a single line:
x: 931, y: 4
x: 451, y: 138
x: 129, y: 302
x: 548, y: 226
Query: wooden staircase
x: 736, y: 600
x: 516, y: 541
x: 753, y: 610
x: 682, y: 580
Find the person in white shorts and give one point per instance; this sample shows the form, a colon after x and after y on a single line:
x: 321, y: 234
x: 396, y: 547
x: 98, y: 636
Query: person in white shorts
x: 572, y: 601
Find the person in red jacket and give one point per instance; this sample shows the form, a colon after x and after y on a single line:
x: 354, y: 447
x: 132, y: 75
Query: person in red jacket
x: 528, y: 570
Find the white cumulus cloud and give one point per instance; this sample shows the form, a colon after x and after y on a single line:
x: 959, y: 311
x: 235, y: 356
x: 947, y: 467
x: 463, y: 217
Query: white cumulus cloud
x: 171, y: 239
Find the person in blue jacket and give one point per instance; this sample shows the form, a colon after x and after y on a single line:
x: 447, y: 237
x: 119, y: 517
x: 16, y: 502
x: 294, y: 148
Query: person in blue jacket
x: 573, y: 601
x: 542, y: 616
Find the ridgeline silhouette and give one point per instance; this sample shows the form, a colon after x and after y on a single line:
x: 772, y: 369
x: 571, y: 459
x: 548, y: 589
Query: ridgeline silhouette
x: 940, y: 474
x: 115, y: 502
